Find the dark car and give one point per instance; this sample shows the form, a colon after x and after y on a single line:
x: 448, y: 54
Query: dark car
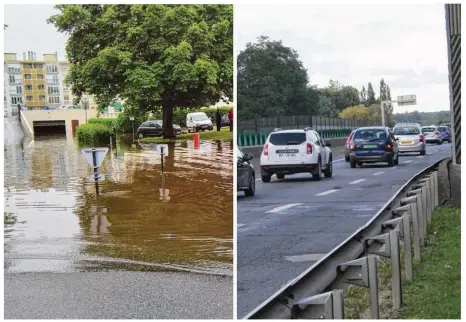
x: 445, y: 133
x: 225, y: 121
x: 153, y: 128
x: 245, y: 173
x: 373, y: 144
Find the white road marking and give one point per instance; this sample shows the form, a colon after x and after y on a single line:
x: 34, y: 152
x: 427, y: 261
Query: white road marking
x: 409, y: 161
x: 418, y: 157
x: 338, y: 160
x: 357, y: 181
x: 305, y: 258
x: 261, y: 179
x: 240, y: 225
x: 280, y: 208
x: 377, y: 173
x: 326, y: 192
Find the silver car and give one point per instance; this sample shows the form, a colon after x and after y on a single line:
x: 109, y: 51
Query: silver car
x: 432, y: 134
x: 410, y: 138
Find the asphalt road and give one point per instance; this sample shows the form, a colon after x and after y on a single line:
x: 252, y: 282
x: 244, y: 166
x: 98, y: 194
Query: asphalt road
x: 290, y: 224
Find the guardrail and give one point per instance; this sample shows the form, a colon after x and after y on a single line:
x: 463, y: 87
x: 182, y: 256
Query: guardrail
x: 318, y: 292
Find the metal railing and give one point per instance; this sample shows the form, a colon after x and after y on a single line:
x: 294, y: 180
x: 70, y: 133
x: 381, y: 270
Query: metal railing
x: 267, y: 124
x: 403, y: 221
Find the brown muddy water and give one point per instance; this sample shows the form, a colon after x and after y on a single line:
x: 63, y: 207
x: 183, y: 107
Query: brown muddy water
x: 55, y: 222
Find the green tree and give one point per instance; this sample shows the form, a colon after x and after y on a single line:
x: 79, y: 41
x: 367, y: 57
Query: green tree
x: 340, y: 97
x: 363, y: 95
x: 370, y: 95
x: 272, y: 81
x: 169, y: 56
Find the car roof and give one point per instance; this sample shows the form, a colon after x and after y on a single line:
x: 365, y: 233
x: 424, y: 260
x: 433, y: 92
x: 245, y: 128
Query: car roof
x: 288, y: 131
x: 406, y: 124
x: 196, y: 113
x: 371, y: 128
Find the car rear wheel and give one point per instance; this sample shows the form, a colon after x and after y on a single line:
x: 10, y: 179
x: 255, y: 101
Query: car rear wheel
x: 329, y: 170
x: 440, y: 142
x: 252, y: 187
x: 391, y: 162
x: 141, y: 135
x: 423, y: 152
x: 280, y: 176
x: 396, y: 160
x: 449, y: 141
x: 317, y: 173
x: 359, y: 164
x: 353, y: 164
x: 266, y: 178
x: 347, y: 159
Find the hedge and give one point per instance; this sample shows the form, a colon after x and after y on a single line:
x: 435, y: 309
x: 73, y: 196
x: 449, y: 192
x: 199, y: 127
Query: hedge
x: 110, y: 122
x: 94, y: 133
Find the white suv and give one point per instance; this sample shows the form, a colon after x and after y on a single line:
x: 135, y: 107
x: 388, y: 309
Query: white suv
x: 295, y: 151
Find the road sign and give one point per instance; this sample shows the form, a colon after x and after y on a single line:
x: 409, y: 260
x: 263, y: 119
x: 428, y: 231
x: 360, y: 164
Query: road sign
x: 131, y: 118
x: 99, y: 155
x: 100, y: 177
x: 406, y: 100
x: 162, y: 149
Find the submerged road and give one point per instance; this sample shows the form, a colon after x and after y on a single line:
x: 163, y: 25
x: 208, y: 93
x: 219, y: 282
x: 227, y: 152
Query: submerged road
x: 290, y: 224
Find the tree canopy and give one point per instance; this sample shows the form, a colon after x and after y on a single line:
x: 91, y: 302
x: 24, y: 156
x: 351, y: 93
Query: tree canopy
x: 150, y: 55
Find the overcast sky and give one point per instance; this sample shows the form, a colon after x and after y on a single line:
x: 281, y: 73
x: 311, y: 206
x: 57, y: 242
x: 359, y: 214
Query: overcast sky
x: 356, y: 44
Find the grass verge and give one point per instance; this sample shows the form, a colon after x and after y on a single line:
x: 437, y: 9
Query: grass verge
x: 436, y: 290
x: 223, y: 135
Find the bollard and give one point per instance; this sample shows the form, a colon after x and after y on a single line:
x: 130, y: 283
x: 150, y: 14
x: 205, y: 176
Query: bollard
x: 404, y: 212
x: 196, y: 140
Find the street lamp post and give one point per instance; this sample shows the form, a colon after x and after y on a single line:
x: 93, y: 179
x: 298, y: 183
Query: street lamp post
x: 85, y: 100
x: 131, y: 118
x: 382, y: 108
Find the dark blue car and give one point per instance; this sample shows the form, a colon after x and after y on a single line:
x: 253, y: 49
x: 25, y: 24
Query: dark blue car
x: 372, y: 145
x: 445, y: 133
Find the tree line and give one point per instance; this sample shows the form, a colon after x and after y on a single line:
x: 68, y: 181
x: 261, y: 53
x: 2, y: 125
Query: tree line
x: 272, y: 81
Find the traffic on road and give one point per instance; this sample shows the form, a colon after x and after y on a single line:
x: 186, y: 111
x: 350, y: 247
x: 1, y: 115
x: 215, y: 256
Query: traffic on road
x: 293, y: 221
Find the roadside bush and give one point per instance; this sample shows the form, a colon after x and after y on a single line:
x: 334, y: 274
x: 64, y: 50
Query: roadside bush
x: 110, y: 122
x: 93, y: 133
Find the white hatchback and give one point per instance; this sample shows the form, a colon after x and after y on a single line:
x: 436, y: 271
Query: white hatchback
x: 296, y: 151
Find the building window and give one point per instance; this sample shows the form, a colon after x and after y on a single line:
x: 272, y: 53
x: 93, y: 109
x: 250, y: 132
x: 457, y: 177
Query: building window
x: 67, y: 98
x: 53, y: 90
x: 42, y: 98
x: 29, y: 98
x: 19, y: 89
x: 16, y: 100
x: 54, y: 100
x: 40, y: 76
x: 38, y: 66
x: 55, y: 79
x: 12, y: 79
x: 27, y: 76
x: 41, y: 87
x: 27, y: 66
x: 51, y: 69
x: 28, y: 87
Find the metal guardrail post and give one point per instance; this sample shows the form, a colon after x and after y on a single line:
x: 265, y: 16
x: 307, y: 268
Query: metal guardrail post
x: 332, y: 302
x: 365, y: 277
x: 405, y: 214
x: 426, y: 180
x: 416, y: 227
x: 422, y: 219
x: 423, y: 187
x: 436, y: 192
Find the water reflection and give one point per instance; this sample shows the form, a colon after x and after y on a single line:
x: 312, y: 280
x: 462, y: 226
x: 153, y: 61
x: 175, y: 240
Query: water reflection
x: 181, y: 219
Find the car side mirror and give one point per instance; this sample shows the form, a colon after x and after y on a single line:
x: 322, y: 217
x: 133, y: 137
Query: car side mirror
x: 327, y: 143
x: 247, y: 157
x: 397, y: 139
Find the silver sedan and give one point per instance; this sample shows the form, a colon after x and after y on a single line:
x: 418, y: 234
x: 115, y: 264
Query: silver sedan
x: 410, y: 139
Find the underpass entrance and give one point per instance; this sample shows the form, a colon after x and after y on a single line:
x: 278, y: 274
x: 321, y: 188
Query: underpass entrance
x: 49, y: 128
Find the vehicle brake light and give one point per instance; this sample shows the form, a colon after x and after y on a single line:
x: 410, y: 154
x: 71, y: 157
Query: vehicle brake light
x: 349, y: 138
x: 388, y: 147
x: 309, y: 148
x: 352, y: 147
x: 436, y: 133
x: 421, y: 138
x: 266, y: 149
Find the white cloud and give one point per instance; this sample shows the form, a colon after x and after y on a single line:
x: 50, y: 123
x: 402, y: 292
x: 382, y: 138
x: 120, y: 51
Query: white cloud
x: 357, y: 44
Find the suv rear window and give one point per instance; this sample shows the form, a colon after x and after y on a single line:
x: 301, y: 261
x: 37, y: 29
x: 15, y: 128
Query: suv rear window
x: 428, y: 129
x: 442, y: 128
x: 287, y: 138
x: 406, y: 130
x: 370, y: 134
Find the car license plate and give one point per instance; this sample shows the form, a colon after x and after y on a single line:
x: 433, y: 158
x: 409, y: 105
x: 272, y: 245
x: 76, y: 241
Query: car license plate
x: 370, y: 146
x: 205, y: 126
x: 406, y: 142
x: 287, y: 155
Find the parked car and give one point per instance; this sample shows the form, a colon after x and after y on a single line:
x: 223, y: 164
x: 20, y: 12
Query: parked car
x: 198, y: 121
x: 70, y: 107
x: 410, y: 138
x: 347, y: 145
x: 225, y: 121
x: 289, y: 152
x: 432, y: 135
x: 445, y: 133
x: 372, y: 145
x: 246, y: 176
x: 153, y: 128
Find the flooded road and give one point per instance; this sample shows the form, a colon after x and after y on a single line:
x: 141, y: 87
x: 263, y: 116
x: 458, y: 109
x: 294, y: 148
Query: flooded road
x: 54, y: 222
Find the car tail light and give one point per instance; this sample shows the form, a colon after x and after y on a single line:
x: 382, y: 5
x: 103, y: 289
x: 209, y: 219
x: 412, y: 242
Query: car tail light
x: 309, y: 148
x: 388, y: 147
x: 436, y: 133
x: 349, y: 138
x: 266, y: 149
x: 421, y: 138
x: 352, y: 147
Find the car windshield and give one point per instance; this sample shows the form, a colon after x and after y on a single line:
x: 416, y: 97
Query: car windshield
x: 158, y: 122
x: 406, y: 130
x: 428, y: 129
x: 370, y: 135
x: 287, y: 138
x: 442, y: 129
x: 200, y: 117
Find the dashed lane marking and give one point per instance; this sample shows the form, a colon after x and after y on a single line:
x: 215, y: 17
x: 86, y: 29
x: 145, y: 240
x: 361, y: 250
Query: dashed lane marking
x: 305, y: 258
x: 377, y: 173
x: 409, y: 161
x: 327, y: 192
x: 281, y: 208
x: 357, y: 181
